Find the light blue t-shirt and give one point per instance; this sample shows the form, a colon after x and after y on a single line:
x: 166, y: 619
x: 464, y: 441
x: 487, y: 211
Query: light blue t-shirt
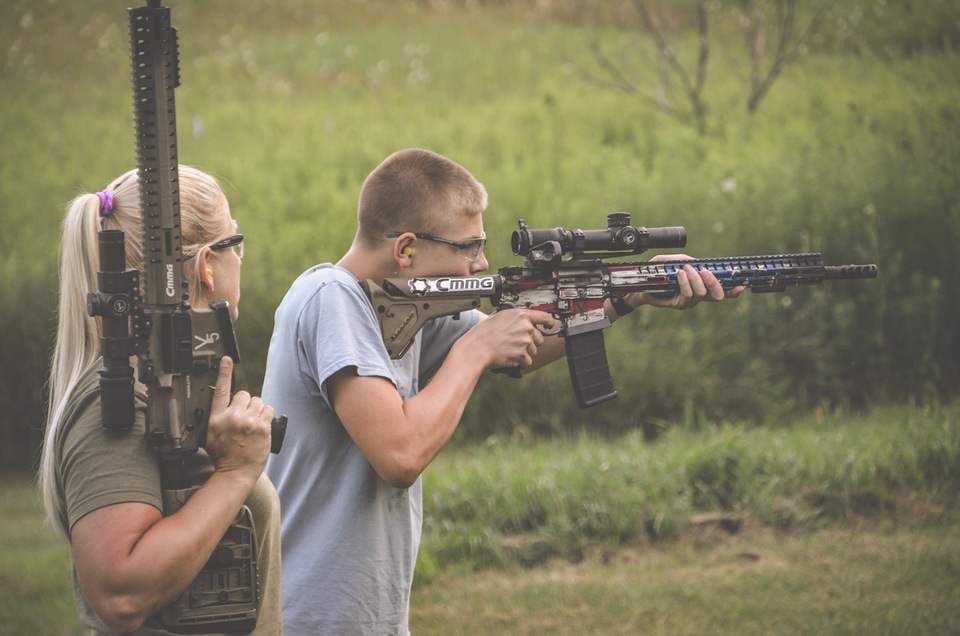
x: 348, y: 539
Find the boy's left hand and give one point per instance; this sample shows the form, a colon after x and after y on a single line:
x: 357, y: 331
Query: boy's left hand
x: 694, y: 287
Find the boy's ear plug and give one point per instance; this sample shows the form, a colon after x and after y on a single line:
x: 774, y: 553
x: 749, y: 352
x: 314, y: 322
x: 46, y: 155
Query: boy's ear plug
x: 209, y: 272
x: 408, y: 251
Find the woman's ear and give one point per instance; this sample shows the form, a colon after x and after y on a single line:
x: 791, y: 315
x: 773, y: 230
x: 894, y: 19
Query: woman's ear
x: 206, y: 272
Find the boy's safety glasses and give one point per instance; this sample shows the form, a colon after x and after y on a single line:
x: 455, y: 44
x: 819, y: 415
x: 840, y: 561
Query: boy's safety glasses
x: 470, y: 249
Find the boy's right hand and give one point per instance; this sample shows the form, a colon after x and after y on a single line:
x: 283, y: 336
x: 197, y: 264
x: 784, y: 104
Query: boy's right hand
x: 238, y: 434
x: 510, y: 338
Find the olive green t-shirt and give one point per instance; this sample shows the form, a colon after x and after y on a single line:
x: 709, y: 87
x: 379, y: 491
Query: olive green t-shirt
x: 97, y: 468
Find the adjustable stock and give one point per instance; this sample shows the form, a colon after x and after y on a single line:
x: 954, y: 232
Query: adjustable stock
x: 403, y: 306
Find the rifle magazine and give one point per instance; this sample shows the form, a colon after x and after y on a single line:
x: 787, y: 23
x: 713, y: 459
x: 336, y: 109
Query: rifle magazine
x: 589, y: 371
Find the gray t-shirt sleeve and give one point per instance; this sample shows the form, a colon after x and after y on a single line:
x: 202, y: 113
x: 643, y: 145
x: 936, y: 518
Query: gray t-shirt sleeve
x: 334, y: 332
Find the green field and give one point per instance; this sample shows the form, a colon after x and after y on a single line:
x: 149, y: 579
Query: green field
x: 783, y: 463
x: 829, y: 524
x: 851, y: 580
x: 528, y: 502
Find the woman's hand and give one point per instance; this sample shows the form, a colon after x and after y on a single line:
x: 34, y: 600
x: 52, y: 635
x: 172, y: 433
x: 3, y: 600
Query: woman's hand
x: 238, y: 433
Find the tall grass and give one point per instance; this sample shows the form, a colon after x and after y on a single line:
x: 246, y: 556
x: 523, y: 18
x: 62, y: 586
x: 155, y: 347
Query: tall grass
x: 854, y: 154
x: 35, y: 573
x: 713, y: 579
x: 528, y: 502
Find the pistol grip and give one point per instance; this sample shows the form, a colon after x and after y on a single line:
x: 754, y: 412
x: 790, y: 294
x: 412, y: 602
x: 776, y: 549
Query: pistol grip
x: 589, y: 371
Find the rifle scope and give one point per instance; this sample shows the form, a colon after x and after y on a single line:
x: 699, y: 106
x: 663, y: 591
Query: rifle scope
x: 619, y: 237
x: 114, y: 304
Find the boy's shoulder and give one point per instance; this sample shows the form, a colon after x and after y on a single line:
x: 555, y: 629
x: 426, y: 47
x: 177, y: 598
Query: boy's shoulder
x: 325, y: 273
x: 325, y: 286
x: 320, y: 276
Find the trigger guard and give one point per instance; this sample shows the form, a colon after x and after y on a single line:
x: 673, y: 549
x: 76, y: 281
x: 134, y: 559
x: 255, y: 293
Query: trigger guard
x: 555, y: 332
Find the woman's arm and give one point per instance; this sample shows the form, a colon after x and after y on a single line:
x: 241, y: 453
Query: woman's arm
x: 131, y: 561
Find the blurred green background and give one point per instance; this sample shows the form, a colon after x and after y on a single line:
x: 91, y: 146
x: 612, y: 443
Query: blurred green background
x: 854, y: 152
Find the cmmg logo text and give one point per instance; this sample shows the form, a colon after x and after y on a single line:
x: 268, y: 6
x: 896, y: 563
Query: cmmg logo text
x: 423, y: 286
x: 171, y: 288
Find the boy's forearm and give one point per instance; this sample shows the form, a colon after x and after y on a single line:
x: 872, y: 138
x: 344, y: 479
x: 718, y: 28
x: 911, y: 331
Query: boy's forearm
x: 438, y: 408
x: 401, y: 437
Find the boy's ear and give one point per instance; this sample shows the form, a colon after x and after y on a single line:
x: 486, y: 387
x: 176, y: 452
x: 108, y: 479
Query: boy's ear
x: 403, y: 248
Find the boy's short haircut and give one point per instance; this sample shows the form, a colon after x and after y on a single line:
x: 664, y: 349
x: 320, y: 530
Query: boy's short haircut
x: 416, y: 190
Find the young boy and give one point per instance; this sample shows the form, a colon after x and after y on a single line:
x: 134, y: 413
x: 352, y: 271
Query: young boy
x: 361, y: 428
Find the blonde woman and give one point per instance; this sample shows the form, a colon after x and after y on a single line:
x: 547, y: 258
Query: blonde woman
x: 102, y: 488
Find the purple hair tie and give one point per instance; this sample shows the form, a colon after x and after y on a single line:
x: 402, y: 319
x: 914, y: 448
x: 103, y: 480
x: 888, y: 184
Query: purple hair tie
x: 106, y: 202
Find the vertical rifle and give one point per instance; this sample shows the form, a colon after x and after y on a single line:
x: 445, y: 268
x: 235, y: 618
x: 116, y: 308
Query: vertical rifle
x: 178, y: 347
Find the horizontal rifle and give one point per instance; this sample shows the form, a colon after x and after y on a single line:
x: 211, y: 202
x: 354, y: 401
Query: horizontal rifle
x: 574, y: 289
